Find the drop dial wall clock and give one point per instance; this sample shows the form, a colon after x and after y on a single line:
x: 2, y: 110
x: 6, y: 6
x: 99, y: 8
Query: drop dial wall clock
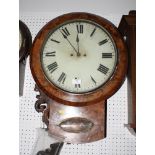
x: 25, y: 42
x: 78, y: 61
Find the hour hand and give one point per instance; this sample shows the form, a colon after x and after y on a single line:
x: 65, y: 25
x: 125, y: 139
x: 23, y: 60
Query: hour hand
x: 77, y: 40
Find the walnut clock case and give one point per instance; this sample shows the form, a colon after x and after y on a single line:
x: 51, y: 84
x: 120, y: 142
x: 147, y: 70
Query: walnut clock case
x: 78, y: 61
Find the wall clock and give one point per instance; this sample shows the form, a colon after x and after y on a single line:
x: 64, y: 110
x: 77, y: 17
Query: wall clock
x: 78, y: 61
x: 25, y: 42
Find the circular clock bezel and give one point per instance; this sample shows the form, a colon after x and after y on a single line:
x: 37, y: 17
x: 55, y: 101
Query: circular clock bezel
x: 26, y: 41
x: 82, y: 99
x: 79, y: 21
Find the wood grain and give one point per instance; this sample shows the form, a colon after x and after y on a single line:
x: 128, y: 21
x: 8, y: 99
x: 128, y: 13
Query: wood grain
x: 94, y: 113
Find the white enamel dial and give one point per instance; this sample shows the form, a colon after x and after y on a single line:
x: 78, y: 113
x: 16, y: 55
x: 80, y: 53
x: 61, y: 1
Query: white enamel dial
x: 78, y: 56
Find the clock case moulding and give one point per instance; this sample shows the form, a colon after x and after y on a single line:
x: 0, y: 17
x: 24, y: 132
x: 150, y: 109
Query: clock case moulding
x: 76, y: 118
x: 24, y: 51
x: 127, y: 27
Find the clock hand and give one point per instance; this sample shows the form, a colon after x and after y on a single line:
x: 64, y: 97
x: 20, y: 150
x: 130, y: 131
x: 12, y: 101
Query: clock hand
x: 72, y: 46
x: 77, y: 40
x: 69, y: 42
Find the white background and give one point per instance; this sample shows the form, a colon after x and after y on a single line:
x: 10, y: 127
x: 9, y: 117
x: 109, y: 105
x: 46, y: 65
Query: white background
x: 104, y: 7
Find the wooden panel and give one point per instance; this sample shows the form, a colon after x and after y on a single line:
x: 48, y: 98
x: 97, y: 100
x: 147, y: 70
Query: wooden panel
x: 94, y: 113
x: 127, y: 28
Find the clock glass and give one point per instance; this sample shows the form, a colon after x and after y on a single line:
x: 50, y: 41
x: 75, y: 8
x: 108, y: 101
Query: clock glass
x: 78, y: 56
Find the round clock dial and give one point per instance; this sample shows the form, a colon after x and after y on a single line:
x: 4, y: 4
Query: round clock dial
x: 78, y: 56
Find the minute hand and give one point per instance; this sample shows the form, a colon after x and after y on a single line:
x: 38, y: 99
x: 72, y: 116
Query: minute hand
x: 69, y: 42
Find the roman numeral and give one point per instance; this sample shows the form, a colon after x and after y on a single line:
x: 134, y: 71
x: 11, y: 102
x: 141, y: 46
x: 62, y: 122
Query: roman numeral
x: 65, y: 32
x: 93, y: 32
x: 103, y: 42
x: 62, y: 78
x: 79, y: 28
x: 77, y: 86
x: 52, y: 54
x: 77, y: 82
x: 52, y: 67
x: 106, y: 55
x: 55, y: 41
x: 93, y: 79
x: 103, y: 69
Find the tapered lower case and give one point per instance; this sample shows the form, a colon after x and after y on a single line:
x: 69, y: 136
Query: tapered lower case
x: 77, y: 124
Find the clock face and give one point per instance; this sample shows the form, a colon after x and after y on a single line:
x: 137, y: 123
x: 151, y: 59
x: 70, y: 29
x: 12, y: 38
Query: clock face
x: 78, y: 56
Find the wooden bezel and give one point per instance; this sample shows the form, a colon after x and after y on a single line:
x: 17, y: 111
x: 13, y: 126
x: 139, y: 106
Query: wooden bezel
x: 26, y: 41
x: 60, y: 96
